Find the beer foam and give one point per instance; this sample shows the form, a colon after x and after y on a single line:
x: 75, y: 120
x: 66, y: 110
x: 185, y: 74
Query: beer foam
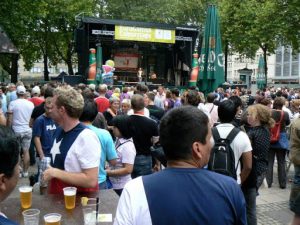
x: 70, y: 192
x: 25, y: 189
x: 52, y: 218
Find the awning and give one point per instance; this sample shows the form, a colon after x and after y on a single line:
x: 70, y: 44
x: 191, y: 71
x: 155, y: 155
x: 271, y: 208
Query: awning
x: 6, y: 46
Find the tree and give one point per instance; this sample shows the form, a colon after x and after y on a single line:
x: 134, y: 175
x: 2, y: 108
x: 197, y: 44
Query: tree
x: 249, y: 25
x: 46, y: 31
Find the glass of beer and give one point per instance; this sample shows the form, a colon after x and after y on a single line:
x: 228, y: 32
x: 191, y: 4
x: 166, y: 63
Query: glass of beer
x: 52, y: 219
x: 70, y: 197
x: 25, y: 196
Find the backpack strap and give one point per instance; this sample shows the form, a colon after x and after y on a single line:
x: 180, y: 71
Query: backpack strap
x: 212, y: 108
x: 123, y: 143
x: 215, y: 133
x: 232, y: 134
x: 281, y: 116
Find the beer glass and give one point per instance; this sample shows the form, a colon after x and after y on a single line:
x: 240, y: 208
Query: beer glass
x: 31, y: 217
x: 25, y: 196
x: 70, y: 197
x: 52, y: 219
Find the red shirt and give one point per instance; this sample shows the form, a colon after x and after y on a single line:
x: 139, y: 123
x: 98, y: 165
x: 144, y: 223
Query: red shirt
x: 102, y: 104
x: 56, y: 187
x: 36, y: 100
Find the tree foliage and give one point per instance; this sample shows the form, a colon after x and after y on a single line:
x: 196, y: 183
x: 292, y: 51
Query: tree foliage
x: 253, y: 24
x: 45, y: 28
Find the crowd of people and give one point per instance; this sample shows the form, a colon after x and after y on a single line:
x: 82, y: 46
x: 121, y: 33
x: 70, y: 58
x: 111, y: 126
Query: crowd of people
x: 101, y: 137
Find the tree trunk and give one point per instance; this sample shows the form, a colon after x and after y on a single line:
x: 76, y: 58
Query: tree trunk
x: 46, y: 72
x: 14, y: 68
x: 226, y: 60
x: 266, y: 64
x: 69, y: 59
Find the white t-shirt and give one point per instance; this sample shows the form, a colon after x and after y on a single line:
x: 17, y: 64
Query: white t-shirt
x: 240, y: 144
x: 84, y: 153
x: 137, y: 203
x: 126, y: 154
x: 146, y: 112
x: 21, y: 109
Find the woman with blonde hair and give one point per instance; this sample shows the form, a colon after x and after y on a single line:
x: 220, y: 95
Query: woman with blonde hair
x: 260, y: 121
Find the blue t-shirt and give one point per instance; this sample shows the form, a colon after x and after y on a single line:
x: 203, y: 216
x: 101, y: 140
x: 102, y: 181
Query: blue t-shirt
x: 108, y: 150
x: 5, y: 221
x: 44, y: 127
x: 195, y: 196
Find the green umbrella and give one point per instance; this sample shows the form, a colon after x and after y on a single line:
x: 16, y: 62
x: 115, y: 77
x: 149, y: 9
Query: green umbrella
x: 261, y: 77
x: 211, y: 69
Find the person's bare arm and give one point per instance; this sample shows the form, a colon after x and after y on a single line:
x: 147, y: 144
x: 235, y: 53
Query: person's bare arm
x: 2, y: 118
x: 31, y: 121
x: 127, y: 169
x: 112, y: 162
x: 38, y: 146
x: 9, y: 118
x: 247, y: 165
x: 88, y: 178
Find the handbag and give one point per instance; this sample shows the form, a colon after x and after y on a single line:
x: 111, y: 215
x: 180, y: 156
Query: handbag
x: 275, y: 131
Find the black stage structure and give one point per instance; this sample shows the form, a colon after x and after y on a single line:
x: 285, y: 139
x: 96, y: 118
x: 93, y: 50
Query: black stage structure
x: 161, y: 62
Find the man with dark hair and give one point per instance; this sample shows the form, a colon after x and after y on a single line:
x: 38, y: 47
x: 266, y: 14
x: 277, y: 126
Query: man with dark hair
x: 175, y: 97
x: 42, y: 133
x: 144, y: 135
x: 212, y: 108
x: 108, y: 151
x: 240, y: 145
x: 238, y: 108
x: 9, y: 167
x: 156, y: 113
x: 183, y: 193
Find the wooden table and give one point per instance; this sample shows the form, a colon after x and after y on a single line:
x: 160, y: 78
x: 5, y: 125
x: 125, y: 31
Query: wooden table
x: 55, y: 204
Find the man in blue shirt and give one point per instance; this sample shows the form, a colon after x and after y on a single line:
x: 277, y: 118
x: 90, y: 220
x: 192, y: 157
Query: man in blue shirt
x: 9, y: 167
x: 42, y: 133
x: 108, y: 152
x: 183, y: 193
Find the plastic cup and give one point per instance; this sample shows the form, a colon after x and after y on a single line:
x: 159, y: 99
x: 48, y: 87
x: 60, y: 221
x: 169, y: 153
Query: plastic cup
x: 70, y: 197
x: 52, y: 219
x: 31, y: 216
x: 90, y: 211
x: 25, y: 196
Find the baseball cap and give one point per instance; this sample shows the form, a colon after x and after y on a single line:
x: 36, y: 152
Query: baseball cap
x: 36, y: 90
x: 21, y: 90
x: 92, y: 87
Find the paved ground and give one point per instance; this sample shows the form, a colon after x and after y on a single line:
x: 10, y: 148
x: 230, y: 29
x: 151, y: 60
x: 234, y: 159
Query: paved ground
x: 272, y: 203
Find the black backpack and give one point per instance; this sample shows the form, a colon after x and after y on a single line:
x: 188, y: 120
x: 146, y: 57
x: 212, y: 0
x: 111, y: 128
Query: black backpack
x: 222, y: 158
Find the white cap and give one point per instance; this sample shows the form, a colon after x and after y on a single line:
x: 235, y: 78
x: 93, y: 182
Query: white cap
x: 21, y: 90
x: 92, y: 87
x: 36, y: 90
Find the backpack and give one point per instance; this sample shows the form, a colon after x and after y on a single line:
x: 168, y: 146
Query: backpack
x: 275, y: 131
x: 222, y: 158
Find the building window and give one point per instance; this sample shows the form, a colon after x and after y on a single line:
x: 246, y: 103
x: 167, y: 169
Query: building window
x: 36, y: 70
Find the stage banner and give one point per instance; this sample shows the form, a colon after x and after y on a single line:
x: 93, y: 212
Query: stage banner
x: 144, y: 34
x: 126, y: 61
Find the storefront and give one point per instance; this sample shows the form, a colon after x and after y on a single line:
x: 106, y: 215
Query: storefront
x: 148, y: 52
